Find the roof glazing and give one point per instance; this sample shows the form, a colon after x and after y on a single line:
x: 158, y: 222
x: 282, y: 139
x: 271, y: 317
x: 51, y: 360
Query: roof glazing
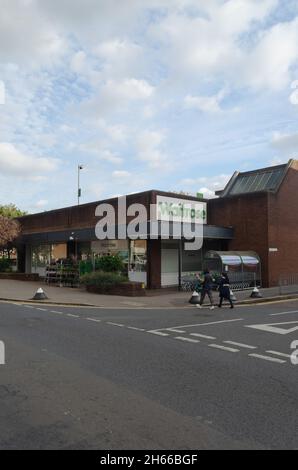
x: 260, y: 180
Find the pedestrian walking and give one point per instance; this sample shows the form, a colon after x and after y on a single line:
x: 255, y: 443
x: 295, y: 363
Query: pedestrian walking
x: 207, y: 289
x: 224, y: 290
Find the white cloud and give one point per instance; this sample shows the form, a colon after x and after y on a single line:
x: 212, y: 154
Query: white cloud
x: 117, y: 133
x: 41, y: 203
x: 148, y: 148
x: 129, y: 89
x: 209, y: 104
x: 269, y: 64
x: 97, y: 149
x: 78, y: 62
x: 206, y: 185
x: 286, y: 144
x: 121, y: 58
x: 212, y: 45
x: 115, y: 96
x: 275, y: 161
x: 13, y: 162
x: 121, y: 174
x: 26, y: 36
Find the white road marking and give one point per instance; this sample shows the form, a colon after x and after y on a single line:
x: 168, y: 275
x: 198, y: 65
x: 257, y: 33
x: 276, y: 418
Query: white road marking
x: 72, y: 315
x: 42, y: 309
x: 224, y: 348
x: 267, y: 358
x: 241, y: 345
x: 29, y: 306
x: 55, y: 311
x: 174, y: 330
x: 273, y: 328
x: 134, y: 328
x: 188, y: 340
x: 93, y: 319
x: 277, y: 353
x: 204, y: 324
x: 159, y: 333
x: 283, y: 313
x: 202, y: 336
x: 114, y: 324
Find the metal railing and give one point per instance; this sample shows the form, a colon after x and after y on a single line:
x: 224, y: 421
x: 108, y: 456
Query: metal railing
x: 243, y: 280
x: 238, y: 281
x: 288, y: 283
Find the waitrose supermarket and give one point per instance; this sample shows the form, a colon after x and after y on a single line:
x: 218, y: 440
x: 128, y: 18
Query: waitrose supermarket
x: 250, y: 229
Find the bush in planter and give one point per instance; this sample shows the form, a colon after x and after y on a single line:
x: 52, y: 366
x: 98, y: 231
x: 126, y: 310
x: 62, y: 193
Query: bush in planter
x: 102, y: 279
x: 109, y: 264
x: 5, y: 265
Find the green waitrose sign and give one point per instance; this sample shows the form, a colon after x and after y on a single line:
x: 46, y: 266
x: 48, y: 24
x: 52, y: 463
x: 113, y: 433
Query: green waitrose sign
x: 181, y: 210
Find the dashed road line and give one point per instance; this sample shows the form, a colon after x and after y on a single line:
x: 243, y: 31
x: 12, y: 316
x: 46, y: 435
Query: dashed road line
x: 277, y: 353
x: 224, y: 348
x: 241, y: 345
x: 267, y: 358
x: 188, y: 340
x: 28, y: 306
x: 42, y: 309
x: 55, y: 311
x: 202, y: 336
x: 206, y: 324
x: 114, y: 324
x: 135, y: 328
x: 93, y: 319
x: 283, y: 313
x: 174, y: 330
x: 72, y: 315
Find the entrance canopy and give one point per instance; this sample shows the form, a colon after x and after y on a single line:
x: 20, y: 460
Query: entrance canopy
x: 243, y: 267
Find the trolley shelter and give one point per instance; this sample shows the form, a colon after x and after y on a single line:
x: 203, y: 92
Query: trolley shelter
x: 242, y: 267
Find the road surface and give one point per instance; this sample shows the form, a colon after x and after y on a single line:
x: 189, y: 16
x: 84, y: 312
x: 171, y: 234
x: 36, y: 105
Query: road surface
x: 84, y: 378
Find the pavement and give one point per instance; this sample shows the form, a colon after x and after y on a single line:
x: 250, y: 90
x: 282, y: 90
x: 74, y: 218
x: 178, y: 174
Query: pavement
x: 162, y: 298
x: 96, y: 378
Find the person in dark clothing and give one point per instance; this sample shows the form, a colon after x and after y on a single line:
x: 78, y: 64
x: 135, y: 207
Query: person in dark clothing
x: 206, y: 289
x: 224, y: 290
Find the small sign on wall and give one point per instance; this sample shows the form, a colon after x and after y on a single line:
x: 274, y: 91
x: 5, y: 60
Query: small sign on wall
x: 273, y: 250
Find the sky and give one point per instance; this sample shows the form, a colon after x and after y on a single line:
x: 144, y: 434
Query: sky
x: 172, y: 95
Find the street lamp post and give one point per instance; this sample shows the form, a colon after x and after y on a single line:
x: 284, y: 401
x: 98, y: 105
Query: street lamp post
x: 80, y: 167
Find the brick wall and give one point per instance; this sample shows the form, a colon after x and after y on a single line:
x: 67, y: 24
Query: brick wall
x: 154, y: 264
x: 283, y: 227
x: 248, y: 214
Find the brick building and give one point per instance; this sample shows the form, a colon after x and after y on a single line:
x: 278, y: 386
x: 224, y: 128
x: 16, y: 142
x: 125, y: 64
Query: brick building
x: 256, y: 211
x: 262, y: 208
x: 156, y: 261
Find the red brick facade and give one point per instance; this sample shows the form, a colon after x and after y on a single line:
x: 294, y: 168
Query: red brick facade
x: 264, y: 221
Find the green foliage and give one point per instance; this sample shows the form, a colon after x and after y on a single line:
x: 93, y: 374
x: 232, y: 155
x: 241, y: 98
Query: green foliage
x: 102, y: 279
x: 85, y: 267
x: 11, y: 211
x: 109, y: 264
x: 5, y: 265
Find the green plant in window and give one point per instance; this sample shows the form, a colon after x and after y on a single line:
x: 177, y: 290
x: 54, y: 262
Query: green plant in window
x: 109, y: 264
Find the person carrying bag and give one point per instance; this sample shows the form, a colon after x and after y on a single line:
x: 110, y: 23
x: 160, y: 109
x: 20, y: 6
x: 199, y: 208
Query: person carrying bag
x: 224, y: 290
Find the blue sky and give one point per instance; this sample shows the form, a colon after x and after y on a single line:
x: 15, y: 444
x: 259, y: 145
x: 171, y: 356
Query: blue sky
x: 165, y: 94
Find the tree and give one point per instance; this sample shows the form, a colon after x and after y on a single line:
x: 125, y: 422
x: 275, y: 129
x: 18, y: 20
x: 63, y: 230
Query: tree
x: 9, y: 230
x: 11, y: 211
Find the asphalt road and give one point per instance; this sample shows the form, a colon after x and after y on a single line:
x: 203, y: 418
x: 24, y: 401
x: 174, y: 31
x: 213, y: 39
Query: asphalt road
x: 148, y: 379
